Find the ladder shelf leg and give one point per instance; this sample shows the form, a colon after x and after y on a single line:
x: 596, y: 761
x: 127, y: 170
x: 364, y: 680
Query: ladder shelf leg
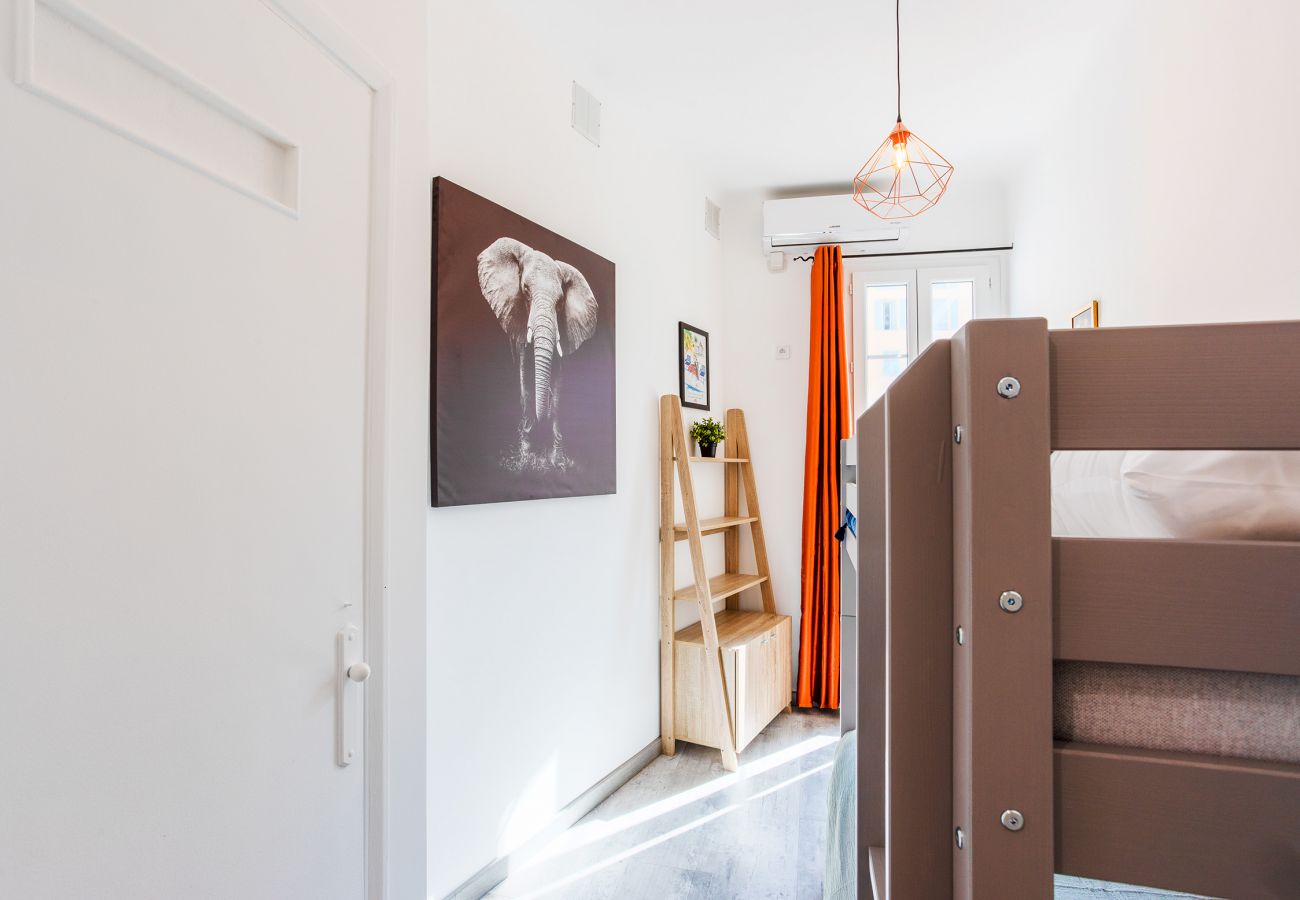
x: 667, y: 579
x: 736, y: 420
x: 708, y: 626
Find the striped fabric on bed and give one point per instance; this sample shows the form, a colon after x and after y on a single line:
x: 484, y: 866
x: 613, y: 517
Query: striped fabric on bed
x: 1237, y: 714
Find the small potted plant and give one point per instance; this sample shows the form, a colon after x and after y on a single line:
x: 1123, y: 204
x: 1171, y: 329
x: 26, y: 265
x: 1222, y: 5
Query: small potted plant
x: 708, y: 433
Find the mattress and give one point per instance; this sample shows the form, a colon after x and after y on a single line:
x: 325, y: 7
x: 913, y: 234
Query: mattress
x: 1199, y: 495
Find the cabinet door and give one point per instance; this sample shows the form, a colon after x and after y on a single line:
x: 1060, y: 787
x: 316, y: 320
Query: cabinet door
x: 782, y: 682
x: 758, y: 667
x: 696, y: 716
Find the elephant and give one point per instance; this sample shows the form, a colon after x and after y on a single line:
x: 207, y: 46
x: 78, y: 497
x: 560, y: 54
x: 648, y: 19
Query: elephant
x: 547, y: 311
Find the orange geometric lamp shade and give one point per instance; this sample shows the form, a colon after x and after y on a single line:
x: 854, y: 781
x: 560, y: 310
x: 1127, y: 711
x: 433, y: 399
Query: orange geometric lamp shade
x: 903, y: 178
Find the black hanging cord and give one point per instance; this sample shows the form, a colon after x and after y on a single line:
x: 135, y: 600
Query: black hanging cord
x: 898, y: 59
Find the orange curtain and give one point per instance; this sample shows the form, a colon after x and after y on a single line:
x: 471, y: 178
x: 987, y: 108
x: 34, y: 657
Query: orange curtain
x: 828, y: 424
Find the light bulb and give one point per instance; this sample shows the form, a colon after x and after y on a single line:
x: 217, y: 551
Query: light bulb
x: 900, y: 154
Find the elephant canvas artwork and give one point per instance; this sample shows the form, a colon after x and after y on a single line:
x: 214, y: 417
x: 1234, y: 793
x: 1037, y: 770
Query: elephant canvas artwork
x: 523, y: 381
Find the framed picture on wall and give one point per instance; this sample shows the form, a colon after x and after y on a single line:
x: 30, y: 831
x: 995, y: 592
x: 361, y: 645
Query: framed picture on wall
x: 523, y: 386
x: 1086, y: 317
x: 693, y: 365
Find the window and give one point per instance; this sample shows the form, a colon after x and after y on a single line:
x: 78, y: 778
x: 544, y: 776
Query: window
x: 952, y: 305
x: 887, y: 333
x: 888, y: 309
x: 902, y: 310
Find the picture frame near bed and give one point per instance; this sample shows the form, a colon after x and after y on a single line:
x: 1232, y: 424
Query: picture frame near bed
x: 693, y: 366
x: 1087, y: 317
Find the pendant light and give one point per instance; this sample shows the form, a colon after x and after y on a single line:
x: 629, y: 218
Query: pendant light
x: 905, y: 176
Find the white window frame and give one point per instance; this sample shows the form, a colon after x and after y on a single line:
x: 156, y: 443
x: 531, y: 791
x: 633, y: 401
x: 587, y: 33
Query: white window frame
x: 917, y: 271
x: 859, y: 282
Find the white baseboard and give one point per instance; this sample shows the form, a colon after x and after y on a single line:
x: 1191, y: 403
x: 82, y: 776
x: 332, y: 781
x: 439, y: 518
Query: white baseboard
x: 495, y: 872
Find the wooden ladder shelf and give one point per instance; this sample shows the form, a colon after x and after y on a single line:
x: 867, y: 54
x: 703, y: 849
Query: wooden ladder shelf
x: 723, y: 679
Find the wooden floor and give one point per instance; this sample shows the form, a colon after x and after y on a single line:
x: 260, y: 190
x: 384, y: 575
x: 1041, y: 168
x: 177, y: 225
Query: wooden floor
x: 685, y: 828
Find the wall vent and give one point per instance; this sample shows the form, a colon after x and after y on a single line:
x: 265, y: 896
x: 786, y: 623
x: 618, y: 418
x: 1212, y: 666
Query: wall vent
x: 586, y: 114
x: 712, y: 218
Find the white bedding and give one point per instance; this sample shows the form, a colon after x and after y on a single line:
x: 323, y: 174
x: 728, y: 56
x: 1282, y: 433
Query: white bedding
x: 1200, y: 494
x: 840, y: 880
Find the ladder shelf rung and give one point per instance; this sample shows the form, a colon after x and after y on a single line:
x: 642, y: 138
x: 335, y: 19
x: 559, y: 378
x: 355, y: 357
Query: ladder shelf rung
x: 721, y: 586
x: 717, y: 459
x: 735, y: 628
x: 714, y: 525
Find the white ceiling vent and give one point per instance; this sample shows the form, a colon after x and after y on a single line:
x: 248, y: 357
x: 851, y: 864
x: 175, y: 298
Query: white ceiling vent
x: 586, y: 114
x: 712, y: 218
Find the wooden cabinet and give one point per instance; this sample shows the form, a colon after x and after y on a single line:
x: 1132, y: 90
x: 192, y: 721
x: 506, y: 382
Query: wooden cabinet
x: 755, y: 649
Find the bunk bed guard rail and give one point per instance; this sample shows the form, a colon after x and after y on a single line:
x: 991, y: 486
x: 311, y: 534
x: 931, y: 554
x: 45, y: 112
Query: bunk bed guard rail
x: 965, y: 600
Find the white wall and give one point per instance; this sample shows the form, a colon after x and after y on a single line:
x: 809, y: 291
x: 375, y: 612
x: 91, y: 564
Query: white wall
x: 765, y: 310
x: 543, y: 615
x: 1167, y: 188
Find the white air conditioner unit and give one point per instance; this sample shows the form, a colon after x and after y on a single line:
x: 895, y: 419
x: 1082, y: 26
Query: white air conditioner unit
x: 807, y: 222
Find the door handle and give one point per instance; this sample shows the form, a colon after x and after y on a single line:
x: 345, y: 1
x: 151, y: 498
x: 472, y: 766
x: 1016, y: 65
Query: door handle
x: 350, y: 672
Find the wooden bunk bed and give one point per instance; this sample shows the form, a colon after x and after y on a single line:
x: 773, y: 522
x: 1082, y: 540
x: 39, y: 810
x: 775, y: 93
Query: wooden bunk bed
x: 966, y: 602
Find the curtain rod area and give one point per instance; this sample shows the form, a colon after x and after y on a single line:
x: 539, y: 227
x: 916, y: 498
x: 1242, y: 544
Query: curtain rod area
x: 911, y: 253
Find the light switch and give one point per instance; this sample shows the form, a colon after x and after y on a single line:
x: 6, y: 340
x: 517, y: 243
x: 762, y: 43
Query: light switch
x: 783, y: 351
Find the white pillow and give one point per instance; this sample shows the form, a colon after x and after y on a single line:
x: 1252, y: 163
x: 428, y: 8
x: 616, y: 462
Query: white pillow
x: 1224, y: 494
x: 1205, y: 494
x: 1089, y: 500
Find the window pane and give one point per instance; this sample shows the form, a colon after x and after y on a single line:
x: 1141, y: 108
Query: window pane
x: 886, y: 323
x: 881, y: 370
x: 952, y: 305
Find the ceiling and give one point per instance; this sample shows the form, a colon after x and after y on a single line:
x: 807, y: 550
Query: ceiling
x: 784, y: 95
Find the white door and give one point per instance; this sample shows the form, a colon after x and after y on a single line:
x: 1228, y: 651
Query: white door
x: 183, y: 299
x: 897, y: 313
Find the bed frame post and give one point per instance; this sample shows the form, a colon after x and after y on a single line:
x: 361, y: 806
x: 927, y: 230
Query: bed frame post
x: 1002, y: 601
x: 872, y: 587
